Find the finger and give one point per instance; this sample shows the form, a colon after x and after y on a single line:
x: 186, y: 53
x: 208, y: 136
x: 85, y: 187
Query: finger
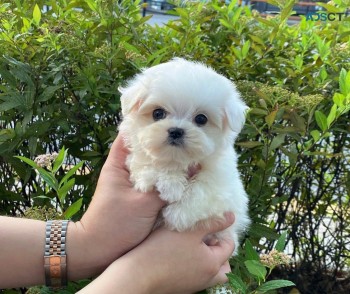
x: 211, y: 240
x: 223, y: 250
x: 215, y: 225
x: 221, y: 276
x: 118, y: 153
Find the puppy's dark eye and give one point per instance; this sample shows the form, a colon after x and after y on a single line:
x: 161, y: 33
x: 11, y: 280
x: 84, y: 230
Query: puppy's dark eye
x: 159, y: 114
x: 201, y: 119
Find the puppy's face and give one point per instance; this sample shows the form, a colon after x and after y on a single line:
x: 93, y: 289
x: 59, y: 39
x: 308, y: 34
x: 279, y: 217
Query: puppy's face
x: 181, y: 112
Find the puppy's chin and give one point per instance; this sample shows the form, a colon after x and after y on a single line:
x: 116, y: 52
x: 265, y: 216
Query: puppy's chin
x: 192, y: 148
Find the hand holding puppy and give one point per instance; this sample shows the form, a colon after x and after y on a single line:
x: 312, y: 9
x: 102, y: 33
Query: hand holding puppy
x: 119, y: 217
x: 169, y: 262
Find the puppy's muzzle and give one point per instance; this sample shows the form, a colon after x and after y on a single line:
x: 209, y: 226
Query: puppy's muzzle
x: 176, y: 136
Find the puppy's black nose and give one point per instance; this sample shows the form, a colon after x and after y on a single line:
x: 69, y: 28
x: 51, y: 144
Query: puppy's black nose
x: 176, y: 133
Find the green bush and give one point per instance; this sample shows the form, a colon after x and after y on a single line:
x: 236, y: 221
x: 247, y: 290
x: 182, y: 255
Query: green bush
x: 59, y: 75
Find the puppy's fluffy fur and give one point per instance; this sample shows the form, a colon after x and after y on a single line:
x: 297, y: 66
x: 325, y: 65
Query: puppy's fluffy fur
x: 180, y: 122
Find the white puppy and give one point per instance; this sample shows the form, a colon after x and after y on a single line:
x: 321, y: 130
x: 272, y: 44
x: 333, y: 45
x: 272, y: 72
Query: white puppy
x: 180, y: 122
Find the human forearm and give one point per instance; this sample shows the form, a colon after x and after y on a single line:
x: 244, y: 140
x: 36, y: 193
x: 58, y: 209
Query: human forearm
x: 22, y: 250
x: 122, y: 276
x: 168, y: 262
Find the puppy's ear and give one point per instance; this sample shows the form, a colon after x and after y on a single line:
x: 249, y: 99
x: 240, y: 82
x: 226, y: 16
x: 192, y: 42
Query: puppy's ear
x: 235, y: 112
x: 132, y: 96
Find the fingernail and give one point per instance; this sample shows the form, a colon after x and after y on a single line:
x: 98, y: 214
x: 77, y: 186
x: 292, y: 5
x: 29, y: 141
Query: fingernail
x: 229, y: 216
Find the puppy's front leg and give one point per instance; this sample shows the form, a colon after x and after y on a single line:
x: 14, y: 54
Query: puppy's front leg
x: 171, y: 186
x: 142, y: 176
x: 200, y: 202
x: 144, y: 180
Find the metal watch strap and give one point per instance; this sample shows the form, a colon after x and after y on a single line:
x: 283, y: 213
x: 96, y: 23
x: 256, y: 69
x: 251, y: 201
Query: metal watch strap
x: 55, y: 258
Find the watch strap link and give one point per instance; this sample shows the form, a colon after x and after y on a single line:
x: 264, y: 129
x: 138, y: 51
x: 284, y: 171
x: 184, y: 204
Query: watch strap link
x: 55, y: 258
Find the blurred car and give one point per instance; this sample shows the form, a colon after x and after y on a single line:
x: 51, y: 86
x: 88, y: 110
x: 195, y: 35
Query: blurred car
x: 301, y: 8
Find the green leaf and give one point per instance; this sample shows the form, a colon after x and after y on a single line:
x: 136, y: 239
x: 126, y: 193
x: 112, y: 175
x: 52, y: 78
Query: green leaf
x: 250, y: 253
x: 236, y: 14
x: 287, y: 10
x: 256, y: 269
x: 330, y: 8
x: 338, y: 99
x: 176, y: 27
x: 63, y: 191
x: 32, y: 145
x: 250, y: 144
x: 7, y: 105
x: 45, y: 175
x: 323, y: 74
x: 130, y: 47
x: 281, y: 242
x: 270, y: 118
x: 225, y: 23
x: 48, y: 178
x: 332, y: 115
x: 274, y: 284
x: 258, y: 111
x: 70, y: 173
x: 36, y: 14
x: 144, y: 19
x: 59, y: 160
x: 298, y: 121
x: 42, y: 197
x: 260, y: 230
x: 321, y: 120
x: 73, y: 209
x: 245, y: 49
x: 92, y: 5
x: 298, y: 61
x: 344, y: 82
x: 237, y: 283
x: 91, y: 153
x: 7, y: 134
x: 277, y: 141
x: 28, y: 161
x: 237, y: 52
x: 315, y: 135
x: 47, y: 93
x: 262, y: 102
x: 266, y: 22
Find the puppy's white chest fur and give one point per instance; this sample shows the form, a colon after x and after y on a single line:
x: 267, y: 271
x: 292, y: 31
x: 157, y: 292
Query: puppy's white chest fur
x: 214, y: 189
x: 178, y: 116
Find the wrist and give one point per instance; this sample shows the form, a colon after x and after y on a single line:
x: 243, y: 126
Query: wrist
x: 122, y: 276
x: 82, y: 254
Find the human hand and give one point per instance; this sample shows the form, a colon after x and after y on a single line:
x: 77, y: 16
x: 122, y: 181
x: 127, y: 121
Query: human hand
x: 119, y: 217
x: 169, y: 262
x: 182, y: 262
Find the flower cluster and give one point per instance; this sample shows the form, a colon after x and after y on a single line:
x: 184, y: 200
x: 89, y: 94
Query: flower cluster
x: 42, y: 213
x: 220, y: 289
x: 274, y: 258
x: 45, y: 160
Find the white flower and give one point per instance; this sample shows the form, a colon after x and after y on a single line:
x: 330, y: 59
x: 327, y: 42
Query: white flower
x: 45, y: 160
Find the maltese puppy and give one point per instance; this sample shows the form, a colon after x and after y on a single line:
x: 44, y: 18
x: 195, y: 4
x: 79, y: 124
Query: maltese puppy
x: 180, y: 120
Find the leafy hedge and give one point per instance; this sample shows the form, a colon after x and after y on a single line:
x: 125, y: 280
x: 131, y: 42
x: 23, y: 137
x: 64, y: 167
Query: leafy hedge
x: 59, y: 75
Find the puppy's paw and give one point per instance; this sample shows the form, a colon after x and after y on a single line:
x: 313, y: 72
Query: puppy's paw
x: 143, y: 186
x: 171, y: 187
x: 177, y: 218
x: 143, y: 181
x: 230, y: 234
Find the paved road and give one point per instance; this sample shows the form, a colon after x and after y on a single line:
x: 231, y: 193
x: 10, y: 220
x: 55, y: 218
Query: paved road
x: 159, y: 18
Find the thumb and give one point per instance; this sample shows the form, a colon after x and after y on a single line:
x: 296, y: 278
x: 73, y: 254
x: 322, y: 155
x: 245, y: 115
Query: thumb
x: 215, y: 225
x: 118, y: 153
